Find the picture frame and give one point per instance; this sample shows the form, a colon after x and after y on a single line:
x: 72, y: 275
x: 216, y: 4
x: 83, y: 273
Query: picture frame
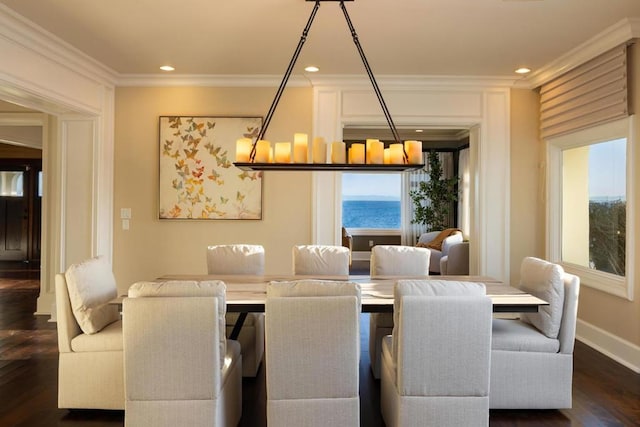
x: 198, y: 180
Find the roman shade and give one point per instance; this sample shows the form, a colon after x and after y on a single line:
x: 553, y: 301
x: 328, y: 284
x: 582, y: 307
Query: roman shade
x: 590, y: 94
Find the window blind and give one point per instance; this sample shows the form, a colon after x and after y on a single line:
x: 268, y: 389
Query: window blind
x: 590, y: 94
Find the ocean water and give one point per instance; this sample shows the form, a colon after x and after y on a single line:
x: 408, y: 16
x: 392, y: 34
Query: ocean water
x: 371, y: 213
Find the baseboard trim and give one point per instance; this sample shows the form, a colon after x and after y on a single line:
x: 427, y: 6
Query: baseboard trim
x: 618, y: 349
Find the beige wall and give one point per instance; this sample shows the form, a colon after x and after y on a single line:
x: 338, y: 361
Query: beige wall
x: 615, y: 315
x: 527, y: 196
x: 151, y: 247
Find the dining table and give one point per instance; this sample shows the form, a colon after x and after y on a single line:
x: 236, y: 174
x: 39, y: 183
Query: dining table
x: 248, y: 293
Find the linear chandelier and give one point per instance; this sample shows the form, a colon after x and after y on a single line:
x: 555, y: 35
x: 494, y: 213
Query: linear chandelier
x: 372, y: 157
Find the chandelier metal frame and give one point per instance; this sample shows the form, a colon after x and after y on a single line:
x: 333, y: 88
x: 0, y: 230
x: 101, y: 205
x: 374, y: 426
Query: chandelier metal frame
x: 274, y: 104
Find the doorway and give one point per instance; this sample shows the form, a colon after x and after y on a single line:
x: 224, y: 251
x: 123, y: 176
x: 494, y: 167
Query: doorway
x: 20, y: 210
x: 20, y: 193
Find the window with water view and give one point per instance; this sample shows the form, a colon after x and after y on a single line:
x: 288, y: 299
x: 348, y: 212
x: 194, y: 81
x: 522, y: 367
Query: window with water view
x: 594, y: 206
x: 371, y: 201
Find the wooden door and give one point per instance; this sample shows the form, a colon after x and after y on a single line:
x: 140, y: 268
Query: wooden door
x: 14, y: 214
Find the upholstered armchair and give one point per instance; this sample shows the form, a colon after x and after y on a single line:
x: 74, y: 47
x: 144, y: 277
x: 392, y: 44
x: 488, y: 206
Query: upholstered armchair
x: 436, y: 255
x: 313, y: 353
x: 456, y: 261
x: 180, y: 370
x: 436, y: 365
x: 321, y: 260
x: 347, y: 242
x: 90, y: 364
x: 390, y: 260
x: 238, y: 260
x: 532, y: 357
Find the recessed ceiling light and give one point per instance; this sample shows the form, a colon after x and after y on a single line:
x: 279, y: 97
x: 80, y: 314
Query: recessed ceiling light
x: 523, y: 70
x: 312, y: 69
x: 418, y: 130
x: 167, y: 68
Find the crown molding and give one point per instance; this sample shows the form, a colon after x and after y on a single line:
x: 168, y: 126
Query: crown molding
x: 19, y: 30
x: 415, y: 81
x: 396, y: 81
x: 220, y: 80
x: 619, y: 33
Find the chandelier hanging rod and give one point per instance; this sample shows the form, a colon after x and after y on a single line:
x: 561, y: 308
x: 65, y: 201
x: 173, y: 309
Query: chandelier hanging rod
x: 287, y: 74
x: 376, y: 89
x: 292, y: 62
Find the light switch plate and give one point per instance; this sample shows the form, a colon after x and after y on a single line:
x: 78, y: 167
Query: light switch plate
x: 125, y: 213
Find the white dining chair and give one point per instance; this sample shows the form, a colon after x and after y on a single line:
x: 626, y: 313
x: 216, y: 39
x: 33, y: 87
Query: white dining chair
x: 532, y: 357
x: 392, y: 260
x: 312, y: 353
x: 90, y: 371
x: 235, y: 259
x: 180, y: 370
x: 242, y: 259
x: 436, y: 365
x: 320, y: 260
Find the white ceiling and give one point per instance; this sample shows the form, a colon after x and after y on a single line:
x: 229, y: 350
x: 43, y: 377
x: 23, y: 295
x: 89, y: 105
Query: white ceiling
x: 399, y: 37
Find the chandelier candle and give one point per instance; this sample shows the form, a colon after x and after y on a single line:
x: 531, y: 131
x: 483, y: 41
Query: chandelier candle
x: 243, y: 150
x: 283, y: 152
x: 319, y: 150
x: 357, y: 153
x: 375, y: 151
x: 300, y: 148
x: 396, y: 154
x: 338, y: 152
x: 263, y: 151
x: 414, y: 151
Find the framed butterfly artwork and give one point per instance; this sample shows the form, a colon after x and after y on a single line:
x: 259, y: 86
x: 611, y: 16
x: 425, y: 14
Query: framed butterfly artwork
x: 197, y: 177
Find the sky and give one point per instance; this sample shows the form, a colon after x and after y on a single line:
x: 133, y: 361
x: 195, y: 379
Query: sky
x: 607, y: 169
x: 377, y: 185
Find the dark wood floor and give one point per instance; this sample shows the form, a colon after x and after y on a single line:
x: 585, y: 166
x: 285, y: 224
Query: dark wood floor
x: 605, y: 393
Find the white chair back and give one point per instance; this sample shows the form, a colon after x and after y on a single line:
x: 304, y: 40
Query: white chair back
x: 393, y: 260
x: 312, y: 353
x: 178, y: 368
x: 446, y: 327
x: 439, y: 372
x: 320, y: 260
x: 235, y: 259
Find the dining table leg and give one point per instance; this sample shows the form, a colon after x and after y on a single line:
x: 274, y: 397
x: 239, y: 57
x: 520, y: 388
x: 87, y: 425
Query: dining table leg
x: 238, y: 325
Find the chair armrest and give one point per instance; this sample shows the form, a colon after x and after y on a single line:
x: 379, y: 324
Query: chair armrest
x: 444, y: 265
x: 67, y: 327
x: 457, y: 260
x: 450, y: 241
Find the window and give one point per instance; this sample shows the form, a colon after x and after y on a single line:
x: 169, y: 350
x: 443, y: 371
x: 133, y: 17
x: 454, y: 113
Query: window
x: 371, y: 201
x: 39, y: 183
x: 594, y: 185
x: 589, y: 211
x: 11, y: 183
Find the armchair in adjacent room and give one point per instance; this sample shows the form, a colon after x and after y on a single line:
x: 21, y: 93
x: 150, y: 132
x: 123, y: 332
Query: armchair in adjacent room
x: 456, y: 261
x: 347, y: 242
x: 439, y: 243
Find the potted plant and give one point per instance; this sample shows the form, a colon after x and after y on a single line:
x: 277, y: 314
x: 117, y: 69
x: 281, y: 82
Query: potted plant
x: 433, y: 200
